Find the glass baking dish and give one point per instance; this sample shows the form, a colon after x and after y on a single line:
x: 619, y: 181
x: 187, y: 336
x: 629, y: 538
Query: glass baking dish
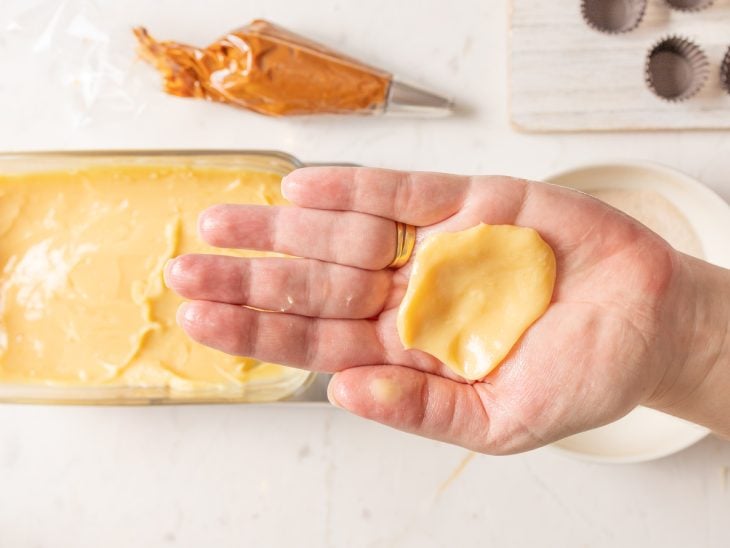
x: 290, y: 385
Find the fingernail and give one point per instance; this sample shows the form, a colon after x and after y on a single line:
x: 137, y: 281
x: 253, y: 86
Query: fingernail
x: 385, y: 391
x: 288, y: 187
x: 205, y: 223
x: 212, y: 218
x: 331, y: 393
x: 166, y: 269
x: 184, y: 314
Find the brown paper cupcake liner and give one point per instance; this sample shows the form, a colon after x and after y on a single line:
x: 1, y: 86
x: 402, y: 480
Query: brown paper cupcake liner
x: 676, y: 68
x: 689, y: 5
x: 613, y: 16
x: 725, y: 71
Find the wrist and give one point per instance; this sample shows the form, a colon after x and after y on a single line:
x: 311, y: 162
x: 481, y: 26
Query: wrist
x: 696, y: 386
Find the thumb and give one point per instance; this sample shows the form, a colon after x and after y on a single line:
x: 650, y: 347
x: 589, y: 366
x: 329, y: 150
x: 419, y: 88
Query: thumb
x: 415, y: 402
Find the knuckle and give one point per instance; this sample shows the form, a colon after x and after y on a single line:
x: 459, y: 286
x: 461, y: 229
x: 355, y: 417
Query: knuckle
x: 403, y: 189
x: 379, y: 249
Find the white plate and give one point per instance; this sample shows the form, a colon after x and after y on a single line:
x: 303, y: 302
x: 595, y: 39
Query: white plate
x: 645, y: 434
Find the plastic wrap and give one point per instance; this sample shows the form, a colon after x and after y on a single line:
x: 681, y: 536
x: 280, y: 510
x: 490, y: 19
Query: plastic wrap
x: 70, y: 46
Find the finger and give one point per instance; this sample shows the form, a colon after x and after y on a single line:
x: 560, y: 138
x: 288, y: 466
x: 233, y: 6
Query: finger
x: 311, y: 343
x: 297, y: 286
x: 417, y: 198
x: 415, y: 402
x: 315, y: 344
x: 347, y: 238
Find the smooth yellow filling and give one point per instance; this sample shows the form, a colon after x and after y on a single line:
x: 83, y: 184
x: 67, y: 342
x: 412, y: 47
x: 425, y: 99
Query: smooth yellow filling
x: 472, y: 294
x: 82, y: 298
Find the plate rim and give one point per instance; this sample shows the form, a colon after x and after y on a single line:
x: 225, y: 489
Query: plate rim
x: 695, y: 186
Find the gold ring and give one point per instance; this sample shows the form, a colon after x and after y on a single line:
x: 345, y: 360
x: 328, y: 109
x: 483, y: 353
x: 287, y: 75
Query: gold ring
x: 405, y: 240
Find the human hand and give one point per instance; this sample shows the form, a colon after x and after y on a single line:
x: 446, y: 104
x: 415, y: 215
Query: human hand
x: 607, y: 343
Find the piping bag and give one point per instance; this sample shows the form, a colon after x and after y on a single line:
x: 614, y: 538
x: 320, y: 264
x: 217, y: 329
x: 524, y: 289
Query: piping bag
x: 267, y: 69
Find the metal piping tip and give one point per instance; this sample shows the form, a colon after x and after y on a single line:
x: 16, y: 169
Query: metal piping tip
x: 404, y: 99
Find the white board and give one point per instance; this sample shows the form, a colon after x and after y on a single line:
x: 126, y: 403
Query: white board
x: 565, y: 76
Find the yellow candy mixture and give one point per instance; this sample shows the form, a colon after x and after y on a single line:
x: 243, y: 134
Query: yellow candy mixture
x: 82, y: 298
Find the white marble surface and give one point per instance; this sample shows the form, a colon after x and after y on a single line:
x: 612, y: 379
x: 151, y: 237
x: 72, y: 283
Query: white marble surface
x: 278, y: 476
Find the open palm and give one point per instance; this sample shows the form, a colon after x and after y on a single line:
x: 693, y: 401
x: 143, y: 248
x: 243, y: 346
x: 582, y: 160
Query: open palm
x: 592, y: 357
